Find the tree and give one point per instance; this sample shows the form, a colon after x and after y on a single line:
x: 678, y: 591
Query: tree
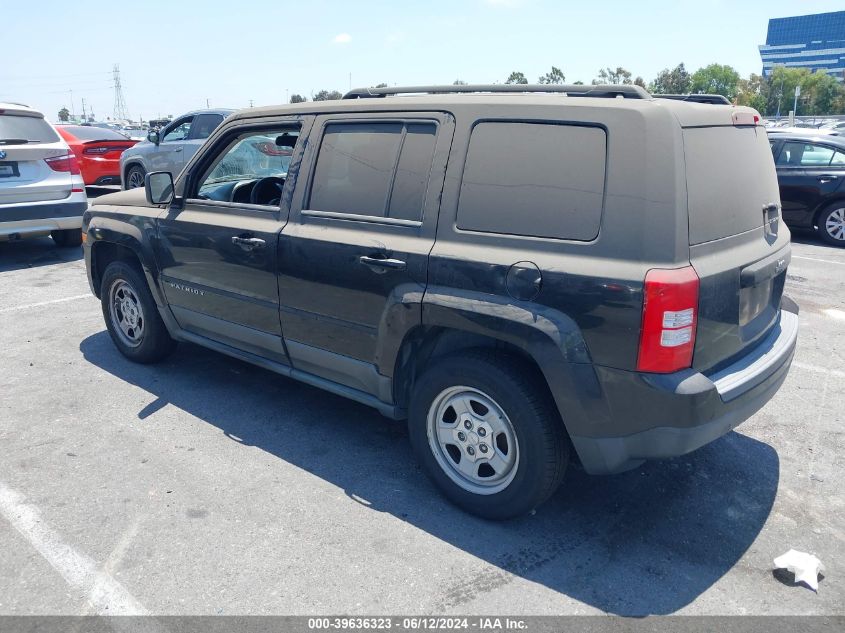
x: 754, y: 93
x: 516, y: 77
x: 381, y: 86
x: 64, y: 114
x: 297, y: 98
x: 325, y: 95
x: 821, y: 93
x: 610, y: 76
x: 459, y: 82
x: 554, y: 76
x: 671, y: 82
x: 715, y: 79
x: 639, y: 81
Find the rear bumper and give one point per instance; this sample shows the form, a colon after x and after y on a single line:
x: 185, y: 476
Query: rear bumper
x: 688, y: 409
x: 42, y: 217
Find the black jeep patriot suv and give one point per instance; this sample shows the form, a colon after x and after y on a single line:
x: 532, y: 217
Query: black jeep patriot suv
x: 522, y: 272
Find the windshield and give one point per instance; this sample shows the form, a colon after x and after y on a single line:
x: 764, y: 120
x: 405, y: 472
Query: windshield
x: 28, y: 129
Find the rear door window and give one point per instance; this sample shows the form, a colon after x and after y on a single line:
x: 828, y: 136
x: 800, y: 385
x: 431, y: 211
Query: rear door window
x: 205, y: 124
x: 376, y: 169
x: 534, y: 179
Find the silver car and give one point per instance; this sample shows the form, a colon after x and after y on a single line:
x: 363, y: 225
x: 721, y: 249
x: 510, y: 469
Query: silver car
x: 170, y: 148
x: 41, y: 189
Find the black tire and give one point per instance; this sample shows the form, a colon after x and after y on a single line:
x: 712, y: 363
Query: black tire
x: 835, y: 233
x: 67, y: 238
x: 134, y: 177
x: 521, y: 393
x: 153, y: 341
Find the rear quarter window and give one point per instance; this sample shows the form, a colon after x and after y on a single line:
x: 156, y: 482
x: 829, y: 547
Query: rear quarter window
x: 534, y: 180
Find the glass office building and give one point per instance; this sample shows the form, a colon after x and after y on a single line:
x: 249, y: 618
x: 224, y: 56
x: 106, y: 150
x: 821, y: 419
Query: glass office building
x: 806, y: 41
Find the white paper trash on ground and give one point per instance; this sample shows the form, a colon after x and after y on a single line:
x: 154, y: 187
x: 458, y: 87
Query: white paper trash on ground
x: 806, y: 567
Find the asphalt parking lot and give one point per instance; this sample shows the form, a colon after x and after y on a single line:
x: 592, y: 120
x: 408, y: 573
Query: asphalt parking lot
x: 207, y: 486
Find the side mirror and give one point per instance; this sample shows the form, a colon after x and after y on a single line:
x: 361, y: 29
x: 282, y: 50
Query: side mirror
x: 159, y: 187
x: 152, y: 137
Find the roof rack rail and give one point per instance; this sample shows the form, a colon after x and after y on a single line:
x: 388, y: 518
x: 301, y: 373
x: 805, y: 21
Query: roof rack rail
x: 697, y: 98
x: 608, y: 91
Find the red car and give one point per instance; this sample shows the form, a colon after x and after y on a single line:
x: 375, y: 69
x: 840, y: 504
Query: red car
x: 98, y: 150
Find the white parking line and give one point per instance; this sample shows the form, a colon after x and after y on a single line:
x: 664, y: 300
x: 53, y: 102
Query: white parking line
x: 105, y: 594
x: 816, y: 259
x: 44, y: 303
x: 833, y: 313
x: 819, y: 370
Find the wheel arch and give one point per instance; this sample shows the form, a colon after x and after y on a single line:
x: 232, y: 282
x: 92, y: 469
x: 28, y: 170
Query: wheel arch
x: 113, y: 240
x: 547, y: 340
x: 132, y: 162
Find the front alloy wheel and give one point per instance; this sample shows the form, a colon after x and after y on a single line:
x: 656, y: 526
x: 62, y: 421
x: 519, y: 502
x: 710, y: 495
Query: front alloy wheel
x: 126, y: 313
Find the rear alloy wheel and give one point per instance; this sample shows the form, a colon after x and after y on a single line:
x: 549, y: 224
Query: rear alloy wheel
x: 68, y: 237
x: 487, y: 432
x: 832, y: 225
x: 135, y: 177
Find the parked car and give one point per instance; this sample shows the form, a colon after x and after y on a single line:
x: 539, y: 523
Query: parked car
x: 811, y: 176
x: 41, y: 188
x: 170, y: 148
x: 838, y: 126
x: 806, y: 130
x: 98, y: 151
x: 517, y: 275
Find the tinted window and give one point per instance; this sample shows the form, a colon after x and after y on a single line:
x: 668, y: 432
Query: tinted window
x: 532, y: 179
x: 357, y: 164
x: 29, y: 128
x: 412, y: 172
x: 205, y: 124
x: 91, y: 133
x: 179, y: 132
x: 800, y: 154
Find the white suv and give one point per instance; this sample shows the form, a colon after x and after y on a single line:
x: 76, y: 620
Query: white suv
x: 41, y: 189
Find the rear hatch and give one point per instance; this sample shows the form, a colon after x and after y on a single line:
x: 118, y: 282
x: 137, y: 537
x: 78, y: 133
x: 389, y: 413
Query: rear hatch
x: 739, y: 246
x: 27, y: 142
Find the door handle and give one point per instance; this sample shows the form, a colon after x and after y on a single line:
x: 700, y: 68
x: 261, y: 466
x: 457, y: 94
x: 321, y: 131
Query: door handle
x: 177, y: 149
x: 827, y: 178
x: 381, y: 265
x: 248, y: 243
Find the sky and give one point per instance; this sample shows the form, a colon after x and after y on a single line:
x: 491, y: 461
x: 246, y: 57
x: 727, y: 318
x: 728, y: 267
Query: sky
x: 176, y: 56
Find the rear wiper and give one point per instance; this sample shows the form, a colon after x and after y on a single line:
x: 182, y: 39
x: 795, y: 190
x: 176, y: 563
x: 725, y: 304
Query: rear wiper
x: 17, y: 141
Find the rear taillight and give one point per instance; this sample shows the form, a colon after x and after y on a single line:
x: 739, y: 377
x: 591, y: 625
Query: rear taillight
x: 67, y: 163
x: 670, y: 317
x: 271, y: 149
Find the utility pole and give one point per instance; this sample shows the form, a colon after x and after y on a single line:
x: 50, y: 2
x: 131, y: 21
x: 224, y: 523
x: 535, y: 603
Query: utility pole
x: 84, y: 116
x: 250, y: 103
x: 206, y: 103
